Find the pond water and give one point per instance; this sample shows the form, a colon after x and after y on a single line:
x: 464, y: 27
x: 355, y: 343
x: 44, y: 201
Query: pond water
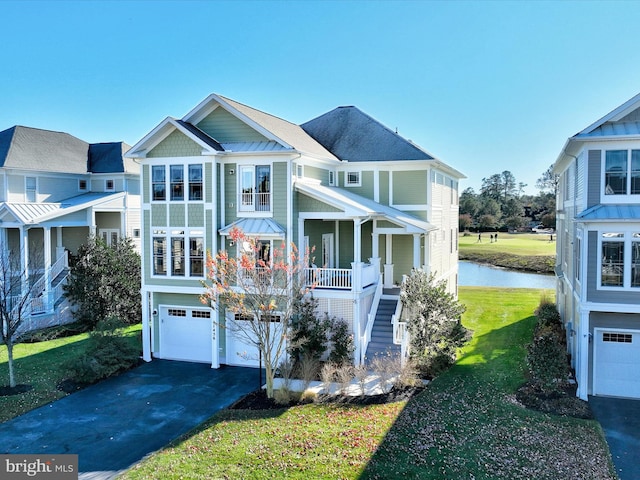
x: 477, y: 275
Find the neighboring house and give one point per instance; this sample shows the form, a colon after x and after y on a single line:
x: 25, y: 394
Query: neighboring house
x: 55, y: 191
x: 373, y: 205
x: 598, y: 252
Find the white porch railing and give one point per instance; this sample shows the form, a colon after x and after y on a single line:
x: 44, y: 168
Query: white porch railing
x: 254, y: 202
x: 371, y: 317
x: 400, y: 331
x: 340, y: 278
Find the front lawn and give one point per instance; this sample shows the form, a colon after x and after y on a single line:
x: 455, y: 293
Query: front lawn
x: 519, y: 251
x: 39, y: 365
x: 466, y: 424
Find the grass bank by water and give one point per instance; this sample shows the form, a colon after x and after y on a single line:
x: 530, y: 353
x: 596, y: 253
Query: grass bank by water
x: 466, y: 424
x: 520, y: 251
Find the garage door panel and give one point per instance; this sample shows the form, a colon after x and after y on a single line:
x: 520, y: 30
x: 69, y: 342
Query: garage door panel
x: 185, y: 337
x: 617, y: 363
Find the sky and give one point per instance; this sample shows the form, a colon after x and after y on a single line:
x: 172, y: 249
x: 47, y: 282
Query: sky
x: 483, y: 86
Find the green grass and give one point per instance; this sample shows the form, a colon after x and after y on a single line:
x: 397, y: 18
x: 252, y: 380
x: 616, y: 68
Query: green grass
x: 520, y: 251
x: 39, y: 365
x: 466, y: 424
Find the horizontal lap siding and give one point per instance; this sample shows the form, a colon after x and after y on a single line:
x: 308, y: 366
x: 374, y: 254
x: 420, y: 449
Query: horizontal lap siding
x: 280, y: 193
x: 410, y: 188
x: 594, y: 178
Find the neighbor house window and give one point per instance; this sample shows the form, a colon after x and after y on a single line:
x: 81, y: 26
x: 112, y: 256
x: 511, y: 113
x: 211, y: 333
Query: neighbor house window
x: 353, y: 179
x: 177, y: 182
x: 82, y: 185
x: 332, y: 178
x: 622, y: 172
x: 30, y: 188
x: 158, y: 182
x: 195, y: 182
x: 109, y: 185
x: 255, y: 188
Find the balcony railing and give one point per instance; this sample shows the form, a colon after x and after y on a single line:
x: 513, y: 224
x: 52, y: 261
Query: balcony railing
x: 341, y: 278
x: 254, y: 202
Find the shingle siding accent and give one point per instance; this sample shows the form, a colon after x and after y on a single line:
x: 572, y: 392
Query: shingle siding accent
x: 146, y: 185
x: 225, y: 128
x: 177, y: 144
x: 308, y: 204
x: 594, y: 172
x: 146, y: 245
x: 177, y: 215
x: 195, y: 215
x: 280, y: 190
x: 230, y: 196
x: 208, y: 182
x: 159, y: 215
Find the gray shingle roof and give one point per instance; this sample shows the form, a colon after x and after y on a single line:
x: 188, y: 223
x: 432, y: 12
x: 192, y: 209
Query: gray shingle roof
x: 201, y: 135
x: 107, y: 158
x: 352, y: 135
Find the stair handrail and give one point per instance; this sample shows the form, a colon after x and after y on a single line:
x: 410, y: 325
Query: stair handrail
x: 371, y: 317
x: 400, y: 330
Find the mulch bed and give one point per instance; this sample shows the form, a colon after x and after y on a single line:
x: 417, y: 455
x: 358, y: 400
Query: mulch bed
x: 563, y: 403
x: 6, y: 391
x: 257, y: 400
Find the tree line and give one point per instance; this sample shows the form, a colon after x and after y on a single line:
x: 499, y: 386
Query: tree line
x: 502, y: 205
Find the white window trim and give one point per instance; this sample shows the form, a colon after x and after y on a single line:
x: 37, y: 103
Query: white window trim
x: 185, y: 163
x: 185, y: 233
x: 106, y: 185
x: 355, y: 184
x: 627, y: 241
x: 332, y: 178
x: 245, y: 210
x: 86, y: 185
x: 35, y: 190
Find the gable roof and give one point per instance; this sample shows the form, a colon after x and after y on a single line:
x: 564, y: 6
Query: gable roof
x: 352, y: 135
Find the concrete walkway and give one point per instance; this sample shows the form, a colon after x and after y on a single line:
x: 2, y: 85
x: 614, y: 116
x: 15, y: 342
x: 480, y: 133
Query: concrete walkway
x: 114, y: 424
x: 620, y: 420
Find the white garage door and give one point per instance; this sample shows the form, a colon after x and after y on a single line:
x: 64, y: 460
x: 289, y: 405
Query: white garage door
x: 616, y: 363
x: 185, y: 334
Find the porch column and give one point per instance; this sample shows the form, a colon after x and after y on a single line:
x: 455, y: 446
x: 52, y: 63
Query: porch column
x: 416, y: 251
x: 47, y: 267
x: 375, y: 243
x: 357, y: 240
x: 301, y: 246
x: 92, y: 222
x: 388, y: 266
x: 426, y: 265
x: 59, y: 247
x: 146, y: 329
x: 24, y: 257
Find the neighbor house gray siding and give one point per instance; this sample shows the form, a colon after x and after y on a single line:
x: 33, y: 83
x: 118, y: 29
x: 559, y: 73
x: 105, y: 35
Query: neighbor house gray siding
x: 593, y: 176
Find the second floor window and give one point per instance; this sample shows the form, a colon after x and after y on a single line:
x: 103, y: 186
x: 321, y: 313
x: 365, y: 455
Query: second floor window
x: 255, y: 188
x: 175, y: 174
x: 620, y: 259
x: 30, y: 188
x: 158, y: 184
x: 353, y: 179
x: 177, y: 182
x: 195, y: 182
x: 622, y: 172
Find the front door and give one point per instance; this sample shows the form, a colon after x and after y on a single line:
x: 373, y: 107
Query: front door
x: 109, y: 235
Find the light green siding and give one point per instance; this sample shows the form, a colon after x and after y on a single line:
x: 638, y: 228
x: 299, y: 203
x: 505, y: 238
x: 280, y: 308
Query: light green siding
x: 159, y: 215
x: 383, y: 178
x: 402, y: 248
x: 317, y: 174
x: 346, y: 244
x: 366, y: 182
x: 308, y: 204
x: 177, y: 216
x: 196, y: 215
x: 280, y: 189
x: 410, y: 188
x: 209, y: 232
x: 230, y: 195
x: 177, y: 144
x: 54, y: 189
x: 145, y: 184
x: 314, y: 230
x: 226, y: 128
x: 146, y: 246
x: 208, y: 182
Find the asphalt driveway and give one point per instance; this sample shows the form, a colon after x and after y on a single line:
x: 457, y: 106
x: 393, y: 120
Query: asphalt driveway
x: 114, y: 424
x: 620, y: 420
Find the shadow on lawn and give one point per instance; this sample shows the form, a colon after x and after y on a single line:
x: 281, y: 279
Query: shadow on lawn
x: 483, y: 378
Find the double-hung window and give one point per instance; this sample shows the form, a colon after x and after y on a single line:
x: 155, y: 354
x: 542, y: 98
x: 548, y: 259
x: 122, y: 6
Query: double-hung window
x: 158, y: 182
x: 620, y: 259
x: 177, y: 182
x: 255, y: 188
x: 622, y: 172
x: 174, y: 175
x: 182, y: 261
x: 195, y: 182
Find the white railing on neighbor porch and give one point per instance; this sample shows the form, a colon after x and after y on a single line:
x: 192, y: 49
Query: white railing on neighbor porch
x: 42, y: 301
x: 400, y: 330
x: 342, y: 278
x: 371, y: 317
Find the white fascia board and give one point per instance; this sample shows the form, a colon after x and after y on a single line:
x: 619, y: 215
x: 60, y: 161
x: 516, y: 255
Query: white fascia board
x: 610, y: 307
x: 82, y: 206
x: 615, y: 115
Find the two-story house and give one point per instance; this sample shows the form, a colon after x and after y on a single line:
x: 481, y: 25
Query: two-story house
x: 55, y: 191
x: 598, y: 252
x: 373, y: 205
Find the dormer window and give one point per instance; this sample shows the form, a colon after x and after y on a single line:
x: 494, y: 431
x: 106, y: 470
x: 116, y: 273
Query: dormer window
x: 622, y: 172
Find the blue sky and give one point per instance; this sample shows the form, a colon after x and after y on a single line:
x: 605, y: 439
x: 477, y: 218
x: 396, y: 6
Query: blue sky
x: 483, y: 86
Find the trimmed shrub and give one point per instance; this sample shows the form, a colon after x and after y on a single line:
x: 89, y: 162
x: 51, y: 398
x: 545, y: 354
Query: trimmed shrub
x: 547, y: 363
x: 341, y: 342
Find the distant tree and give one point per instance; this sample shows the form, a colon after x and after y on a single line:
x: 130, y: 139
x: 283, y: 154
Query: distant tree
x: 487, y: 222
x: 549, y: 220
x: 509, y: 185
x: 548, y: 181
x: 514, y: 222
x: 492, y: 187
x: 464, y: 221
x: 512, y: 207
x: 490, y: 207
x: 16, y: 293
x: 469, y: 202
x: 105, y: 282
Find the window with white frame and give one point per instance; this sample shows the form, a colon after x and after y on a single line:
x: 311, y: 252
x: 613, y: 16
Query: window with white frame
x: 352, y: 179
x: 158, y: 182
x: 332, y: 178
x: 176, y: 181
x: 195, y: 182
x: 183, y: 261
x: 622, y: 172
x: 109, y: 185
x: 174, y: 175
x: 31, y: 188
x: 255, y: 188
x: 620, y: 259
x: 82, y: 185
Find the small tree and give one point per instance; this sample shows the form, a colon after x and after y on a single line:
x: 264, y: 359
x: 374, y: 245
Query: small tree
x: 258, y: 286
x: 16, y: 293
x: 433, y: 318
x: 105, y: 282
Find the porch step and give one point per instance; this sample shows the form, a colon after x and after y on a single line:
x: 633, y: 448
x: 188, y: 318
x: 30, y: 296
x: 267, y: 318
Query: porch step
x: 381, y: 341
